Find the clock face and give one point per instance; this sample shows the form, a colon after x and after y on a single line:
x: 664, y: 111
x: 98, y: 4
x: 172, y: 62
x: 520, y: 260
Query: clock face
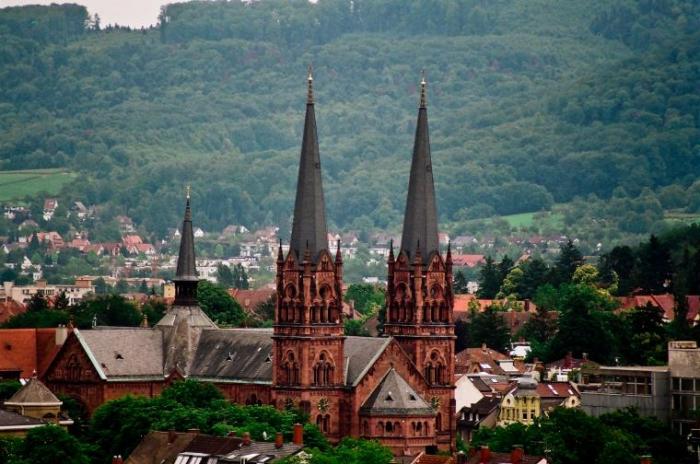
x: 435, y: 402
x: 323, y: 405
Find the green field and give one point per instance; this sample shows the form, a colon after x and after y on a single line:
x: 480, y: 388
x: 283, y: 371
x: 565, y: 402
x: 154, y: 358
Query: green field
x: 528, y: 219
x: 19, y: 184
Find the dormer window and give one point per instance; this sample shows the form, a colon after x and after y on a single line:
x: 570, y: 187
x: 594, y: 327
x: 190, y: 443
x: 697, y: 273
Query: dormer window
x: 118, y: 356
x: 389, y: 397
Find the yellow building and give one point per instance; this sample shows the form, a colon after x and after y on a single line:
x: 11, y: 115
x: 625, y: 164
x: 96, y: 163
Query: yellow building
x: 531, y: 399
x: 33, y: 405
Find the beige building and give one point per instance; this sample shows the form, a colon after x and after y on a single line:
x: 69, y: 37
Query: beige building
x: 23, y: 293
x: 33, y: 405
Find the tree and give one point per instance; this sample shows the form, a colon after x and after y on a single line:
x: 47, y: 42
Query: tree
x: 645, y: 338
x: 355, y: 327
x: 489, y: 280
x: 535, y: 274
x: 216, y: 302
x: 122, y: 287
x: 585, y: 324
x: 618, y: 266
x: 366, y: 297
x: 488, y: 327
x: 460, y: 282
x: 224, y: 276
x: 61, y: 301
x: 143, y: 288
x: 192, y: 393
x: 37, y: 303
x: 51, y: 444
x: 111, y: 310
x: 654, y: 268
x: 100, y: 286
x: 569, y: 259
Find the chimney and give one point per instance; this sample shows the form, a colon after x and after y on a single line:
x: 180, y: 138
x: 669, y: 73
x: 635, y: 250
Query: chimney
x: 516, y: 454
x: 279, y: 440
x: 172, y: 435
x: 645, y: 459
x: 461, y: 457
x: 485, y: 455
x: 298, y: 434
x: 246, y: 439
x: 61, y: 334
x: 117, y: 459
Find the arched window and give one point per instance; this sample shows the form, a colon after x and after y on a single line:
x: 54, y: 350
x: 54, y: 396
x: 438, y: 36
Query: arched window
x: 380, y: 428
x: 426, y: 430
x: 291, y: 370
x: 435, y: 371
x: 389, y: 428
x: 323, y: 422
x: 323, y: 370
x: 73, y: 368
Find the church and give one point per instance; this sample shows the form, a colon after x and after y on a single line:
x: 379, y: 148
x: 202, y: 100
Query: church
x: 398, y: 389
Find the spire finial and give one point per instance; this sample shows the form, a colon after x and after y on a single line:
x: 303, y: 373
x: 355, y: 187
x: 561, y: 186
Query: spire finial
x: 188, y: 191
x: 310, y: 85
x: 423, y: 84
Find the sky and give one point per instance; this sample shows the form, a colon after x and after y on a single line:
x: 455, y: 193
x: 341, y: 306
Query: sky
x: 134, y: 13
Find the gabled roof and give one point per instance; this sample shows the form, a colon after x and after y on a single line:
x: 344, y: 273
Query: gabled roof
x: 394, y: 396
x: 309, y: 224
x: 27, y: 350
x: 360, y: 354
x: 34, y: 393
x: 420, y: 217
x: 124, y: 352
x: 235, y: 355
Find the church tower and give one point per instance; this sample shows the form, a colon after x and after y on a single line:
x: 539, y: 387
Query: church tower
x: 419, y: 286
x: 308, y: 332
x: 183, y: 323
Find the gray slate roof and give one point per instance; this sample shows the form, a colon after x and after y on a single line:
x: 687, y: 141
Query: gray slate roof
x: 360, y: 352
x: 186, y: 265
x: 420, y: 218
x: 257, y: 451
x: 309, y: 224
x: 234, y: 355
x: 35, y: 393
x: 11, y: 420
x: 394, y: 396
x: 119, y: 353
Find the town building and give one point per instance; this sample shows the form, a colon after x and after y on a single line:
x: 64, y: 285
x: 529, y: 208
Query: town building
x: 23, y: 293
x: 531, y: 399
x: 684, y: 367
x: 397, y: 389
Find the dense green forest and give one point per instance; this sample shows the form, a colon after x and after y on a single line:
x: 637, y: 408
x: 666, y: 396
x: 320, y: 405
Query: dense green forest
x: 532, y: 104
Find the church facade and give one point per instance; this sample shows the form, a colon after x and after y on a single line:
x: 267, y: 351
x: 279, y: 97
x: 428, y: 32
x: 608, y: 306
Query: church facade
x: 398, y: 389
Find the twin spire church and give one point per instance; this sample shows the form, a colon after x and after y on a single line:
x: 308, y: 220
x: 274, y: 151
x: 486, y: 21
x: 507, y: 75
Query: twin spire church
x: 398, y: 389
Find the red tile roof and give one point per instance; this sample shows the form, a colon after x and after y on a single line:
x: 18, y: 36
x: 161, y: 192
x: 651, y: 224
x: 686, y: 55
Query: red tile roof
x: 250, y: 299
x: 27, y: 349
x: 556, y: 390
x: 467, y: 260
x: 665, y: 301
x: 474, y: 360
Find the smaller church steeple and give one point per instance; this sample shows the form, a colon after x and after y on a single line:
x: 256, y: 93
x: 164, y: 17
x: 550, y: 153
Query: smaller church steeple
x: 186, y: 275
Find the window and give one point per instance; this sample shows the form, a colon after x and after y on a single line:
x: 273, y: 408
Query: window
x: 323, y: 370
x: 687, y: 384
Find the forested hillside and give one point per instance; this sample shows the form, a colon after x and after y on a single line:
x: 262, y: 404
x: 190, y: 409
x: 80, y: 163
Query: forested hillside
x: 531, y: 103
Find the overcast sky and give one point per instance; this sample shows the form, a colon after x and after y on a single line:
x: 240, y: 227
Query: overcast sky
x: 134, y: 13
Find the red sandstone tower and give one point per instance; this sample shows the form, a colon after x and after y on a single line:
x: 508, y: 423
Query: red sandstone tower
x: 308, y: 332
x: 419, y: 287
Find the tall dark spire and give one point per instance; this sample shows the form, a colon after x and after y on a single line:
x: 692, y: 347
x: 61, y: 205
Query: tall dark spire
x: 420, y: 220
x: 309, y: 225
x: 186, y: 275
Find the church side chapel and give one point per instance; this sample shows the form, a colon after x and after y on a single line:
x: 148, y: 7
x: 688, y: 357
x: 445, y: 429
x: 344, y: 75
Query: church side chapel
x: 398, y: 389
